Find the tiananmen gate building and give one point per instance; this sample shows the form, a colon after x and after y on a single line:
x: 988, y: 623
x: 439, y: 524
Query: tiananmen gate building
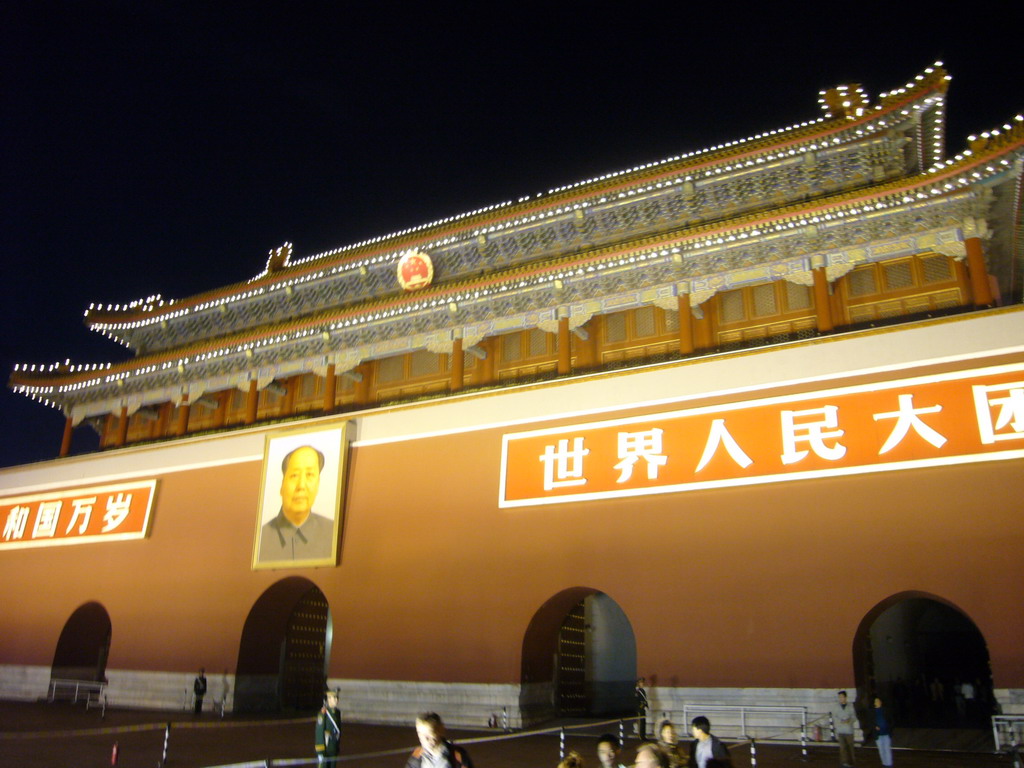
x: 747, y: 422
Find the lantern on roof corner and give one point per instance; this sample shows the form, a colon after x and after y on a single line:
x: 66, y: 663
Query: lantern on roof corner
x: 415, y: 270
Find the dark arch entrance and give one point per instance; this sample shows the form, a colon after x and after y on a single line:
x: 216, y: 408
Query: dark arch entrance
x: 916, y: 651
x: 579, y: 658
x: 285, y: 648
x: 83, y: 646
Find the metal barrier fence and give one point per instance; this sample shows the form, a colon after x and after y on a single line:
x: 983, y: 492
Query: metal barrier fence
x: 1007, y: 731
x: 617, y: 726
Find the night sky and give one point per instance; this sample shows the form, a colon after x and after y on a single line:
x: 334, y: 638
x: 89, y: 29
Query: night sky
x: 152, y: 147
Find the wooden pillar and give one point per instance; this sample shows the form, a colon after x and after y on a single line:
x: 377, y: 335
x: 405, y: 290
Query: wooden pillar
x: 106, y: 438
x: 485, y: 368
x: 822, y: 301
x: 685, y: 324
x: 980, y: 288
x: 65, y: 442
x: 586, y: 348
x: 288, y: 406
x: 220, y: 416
x: 122, y: 426
x: 361, y: 388
x: 458, y: 365
x: 252, y: 400
x: 183, y: 416
x: 162, y: 418
x: 564, y: 353
x: 330, y: 389
x: 703, y: 328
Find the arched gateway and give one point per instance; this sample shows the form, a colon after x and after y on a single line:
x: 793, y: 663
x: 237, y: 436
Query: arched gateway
x: 285, y: 649
x: 927, y: 660
x: 83, y: 646
x: 579, y: 658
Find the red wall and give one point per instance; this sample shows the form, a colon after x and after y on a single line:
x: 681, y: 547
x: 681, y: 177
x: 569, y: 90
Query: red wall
x: 757, y: 586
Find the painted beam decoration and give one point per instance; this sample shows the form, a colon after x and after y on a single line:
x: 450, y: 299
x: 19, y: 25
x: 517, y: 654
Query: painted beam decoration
x: 952, y: 418
x: 78, y: 516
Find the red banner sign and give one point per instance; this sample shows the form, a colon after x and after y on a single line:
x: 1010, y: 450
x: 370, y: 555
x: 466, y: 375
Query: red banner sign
x: 78, y: 516
x: 943, y: 419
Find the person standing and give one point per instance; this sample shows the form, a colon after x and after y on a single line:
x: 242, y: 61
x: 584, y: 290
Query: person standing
x: 707, y: 751
x: 642, y: 705
x: 668, y: 743
x: 845, y: 720
x: 608, y: 751
x: 327, y: 740
x: 435, y: 751
x: 883, y: 733
x: 199, y: 690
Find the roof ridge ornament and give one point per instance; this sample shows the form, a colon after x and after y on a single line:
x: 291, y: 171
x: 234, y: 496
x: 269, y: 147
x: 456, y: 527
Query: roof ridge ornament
x: 844, y: 101
x: 280, y: 258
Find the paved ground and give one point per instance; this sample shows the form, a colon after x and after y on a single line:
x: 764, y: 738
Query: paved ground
x: 37, y: 735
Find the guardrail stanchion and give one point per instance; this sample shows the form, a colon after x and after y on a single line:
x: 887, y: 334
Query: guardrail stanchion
x: 167, y: 740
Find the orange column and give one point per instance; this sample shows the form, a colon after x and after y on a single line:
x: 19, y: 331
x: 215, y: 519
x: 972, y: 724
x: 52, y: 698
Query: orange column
x: 979, y: 274
x: 703, y: 328
x: 822, y: 300
x: 490, y: 346
x: 65, y: 443
x: 220, y: 416
x: 685, y: 324
x: 122, y: 426
x: 252, y: 399
x: 564, y: 354
x: 330, y: 389
x: 162, y: 418
x: 288, y: 406
x: 457, y: 366
x: 361, y: 388
x: 586, y: 348
x: 183, y: 416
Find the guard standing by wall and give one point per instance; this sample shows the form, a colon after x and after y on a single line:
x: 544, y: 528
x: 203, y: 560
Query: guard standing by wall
x: 328, y: 730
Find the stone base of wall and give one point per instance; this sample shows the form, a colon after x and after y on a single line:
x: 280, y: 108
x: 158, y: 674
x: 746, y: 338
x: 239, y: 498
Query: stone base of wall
x: 1010, y: 700
x: 475, y: 705
x: 459, y: 704
x: 681, y: 705
x: 24, y: 683
x: 131, y: 689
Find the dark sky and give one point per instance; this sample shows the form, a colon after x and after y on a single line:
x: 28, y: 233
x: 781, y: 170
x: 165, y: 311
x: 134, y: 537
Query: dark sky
x: 165, y: 147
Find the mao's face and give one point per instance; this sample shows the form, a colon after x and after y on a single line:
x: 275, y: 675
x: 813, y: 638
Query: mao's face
x: 300, y: 484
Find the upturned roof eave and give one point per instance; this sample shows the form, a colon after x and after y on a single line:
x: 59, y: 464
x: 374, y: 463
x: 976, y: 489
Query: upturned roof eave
x: 936, y: 81
x: 441, y: 294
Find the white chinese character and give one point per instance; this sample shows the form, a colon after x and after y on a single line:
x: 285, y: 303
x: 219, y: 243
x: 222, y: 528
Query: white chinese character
x: 718, y: 436
x: 562, y: 466
x: 118, y: 508
x: 14, y: 528
x: 634, y: 446
x: 907, y: 417
x: 80, y: 508
x: 811, y: 432
x: 1011, y: 411
x: 46, y: 519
